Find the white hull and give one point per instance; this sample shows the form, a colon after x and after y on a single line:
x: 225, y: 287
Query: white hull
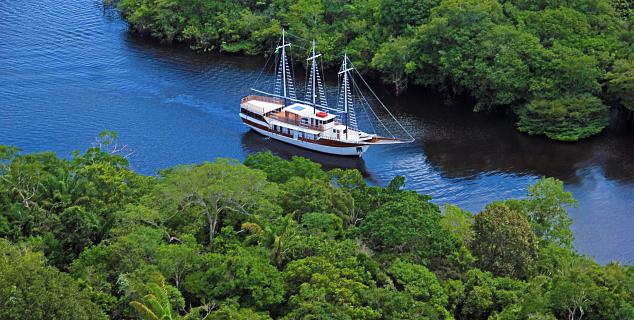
x: 339, y: 151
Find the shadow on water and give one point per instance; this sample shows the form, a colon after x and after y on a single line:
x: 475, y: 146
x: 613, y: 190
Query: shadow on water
x: 461, y: 143
x: 182, y: 55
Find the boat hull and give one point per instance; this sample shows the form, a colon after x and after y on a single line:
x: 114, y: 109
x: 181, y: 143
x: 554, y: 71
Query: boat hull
x: 353, y: 150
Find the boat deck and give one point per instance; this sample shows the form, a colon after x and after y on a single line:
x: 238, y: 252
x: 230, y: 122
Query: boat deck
x: 261, y: 105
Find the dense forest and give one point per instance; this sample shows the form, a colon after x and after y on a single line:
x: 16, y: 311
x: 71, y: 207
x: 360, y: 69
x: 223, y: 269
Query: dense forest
x: 559, y: 66
x: 88, y: 238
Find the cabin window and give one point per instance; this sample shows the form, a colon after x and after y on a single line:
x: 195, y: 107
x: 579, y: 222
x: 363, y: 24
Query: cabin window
x: 304, y: 121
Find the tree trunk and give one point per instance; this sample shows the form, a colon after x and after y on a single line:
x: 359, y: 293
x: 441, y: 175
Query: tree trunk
x: 399, y: 85
x: 213, y: 223
x: 210, y: 225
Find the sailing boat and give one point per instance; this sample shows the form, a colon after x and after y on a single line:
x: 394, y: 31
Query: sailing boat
x: 310, y: 123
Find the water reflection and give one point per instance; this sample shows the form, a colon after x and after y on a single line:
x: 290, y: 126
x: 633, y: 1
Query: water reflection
x: 462, y: 144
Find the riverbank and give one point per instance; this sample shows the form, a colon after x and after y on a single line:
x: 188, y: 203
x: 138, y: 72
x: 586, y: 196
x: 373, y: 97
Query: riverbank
x: 265, y: 237
x: 560, y: 68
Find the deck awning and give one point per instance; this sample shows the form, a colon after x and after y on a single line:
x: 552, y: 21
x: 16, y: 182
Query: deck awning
x: 261, y: 107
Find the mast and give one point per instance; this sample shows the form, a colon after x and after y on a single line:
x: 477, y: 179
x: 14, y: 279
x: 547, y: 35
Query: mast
x: 314, y: 77
x: 288, y: 91
x: 345, y: 89
x: 284, y: 62
x: 345, y: 83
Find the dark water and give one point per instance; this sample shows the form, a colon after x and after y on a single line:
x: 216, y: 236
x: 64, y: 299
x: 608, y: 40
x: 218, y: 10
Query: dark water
x: 69, y: 69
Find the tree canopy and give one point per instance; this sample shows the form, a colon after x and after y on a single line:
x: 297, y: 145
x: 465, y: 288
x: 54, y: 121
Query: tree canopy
x: 87, y: 238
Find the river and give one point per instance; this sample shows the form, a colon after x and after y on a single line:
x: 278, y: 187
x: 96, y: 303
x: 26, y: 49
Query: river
x: 69, y: 70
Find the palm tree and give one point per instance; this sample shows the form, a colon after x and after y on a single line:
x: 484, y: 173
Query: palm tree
x: 156, y: 304
x: 275, y: 238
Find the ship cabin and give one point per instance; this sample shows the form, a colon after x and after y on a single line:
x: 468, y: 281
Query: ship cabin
x: 297, y: 120
x: 308, y: 117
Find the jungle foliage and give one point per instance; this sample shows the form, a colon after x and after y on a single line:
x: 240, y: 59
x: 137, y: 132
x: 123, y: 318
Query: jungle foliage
x: 558, y: 65
x: 87, y: 238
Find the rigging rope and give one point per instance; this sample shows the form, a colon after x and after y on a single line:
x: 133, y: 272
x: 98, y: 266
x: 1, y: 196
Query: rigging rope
x: 411, y: 138
x: 374, y: 113
x: 262, y: 71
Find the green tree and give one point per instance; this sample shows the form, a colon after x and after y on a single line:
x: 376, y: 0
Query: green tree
x: 212, y: 194
x: 546, y: 210
x: 481, y: 296
x: 418, y: 282
x: 397, y: 15
x: 280, y: 170
x: 504, y: 241
x: 30, y: 289
x: 409, y: 224
x: 394, y: 304
x: 177, y: 260
x: 620, y: 82
x: 103, y: 264
x: 303, y: 196
x: 568, y: 118
x: 321, y: 290
x: 458, y: 222
x: 394, y: 62
x: 246, y: 275
x: 231, y: 310
x: 156, y: 303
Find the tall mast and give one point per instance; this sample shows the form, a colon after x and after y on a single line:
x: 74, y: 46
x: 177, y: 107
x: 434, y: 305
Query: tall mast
x: 313, y: 76
x: 284, y: 62
x: 345, y: 81
x: 346, y: 90
x: 283, y: 72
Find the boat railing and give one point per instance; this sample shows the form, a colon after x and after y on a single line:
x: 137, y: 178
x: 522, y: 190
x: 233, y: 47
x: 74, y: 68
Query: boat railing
x: 263, y: 99
x: 337, y: 139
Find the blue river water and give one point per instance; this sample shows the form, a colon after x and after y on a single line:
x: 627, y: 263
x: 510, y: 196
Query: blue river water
x: 69, y: 70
